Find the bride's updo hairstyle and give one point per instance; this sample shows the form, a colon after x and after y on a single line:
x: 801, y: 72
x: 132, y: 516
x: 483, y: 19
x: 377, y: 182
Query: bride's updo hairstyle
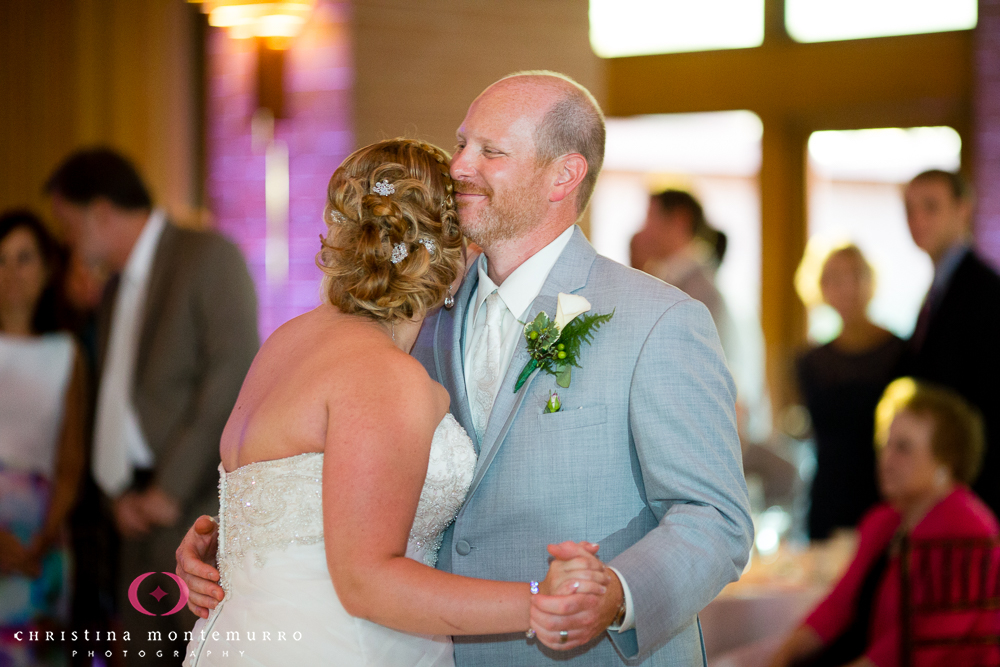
x: 393, y: 244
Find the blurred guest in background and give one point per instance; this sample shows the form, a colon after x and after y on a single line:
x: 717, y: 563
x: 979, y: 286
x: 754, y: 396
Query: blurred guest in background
x: 930, y: 447
x: 841, y: 383
x: 955, y: 342
x: 677, y: 245
x: 177, y: 333
x: 94, y: 539
x: 42, y: 417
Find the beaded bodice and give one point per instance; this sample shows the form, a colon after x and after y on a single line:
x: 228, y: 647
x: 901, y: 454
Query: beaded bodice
x: 271, y: 505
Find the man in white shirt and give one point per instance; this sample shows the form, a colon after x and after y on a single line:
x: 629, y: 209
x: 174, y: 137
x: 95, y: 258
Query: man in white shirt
x: 177, y: 333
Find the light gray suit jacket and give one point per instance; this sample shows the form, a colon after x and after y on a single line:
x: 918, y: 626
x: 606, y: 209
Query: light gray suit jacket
x: 643, y: 459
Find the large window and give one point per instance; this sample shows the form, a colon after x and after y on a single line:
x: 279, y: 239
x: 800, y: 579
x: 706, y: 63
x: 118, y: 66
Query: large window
x: 827, y: 20
x: 856, y: 180
x: 642, y: 27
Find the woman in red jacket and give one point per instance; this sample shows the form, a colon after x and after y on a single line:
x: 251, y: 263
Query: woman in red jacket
x: 929, y: 447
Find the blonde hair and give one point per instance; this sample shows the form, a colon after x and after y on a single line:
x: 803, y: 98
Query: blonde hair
x: 364, y: 228
x: 812, y: 268
x: 957, y: 439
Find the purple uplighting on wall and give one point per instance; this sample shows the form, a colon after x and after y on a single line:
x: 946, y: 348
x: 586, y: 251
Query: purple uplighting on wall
x: 318, y: 135
x: 987, y: 125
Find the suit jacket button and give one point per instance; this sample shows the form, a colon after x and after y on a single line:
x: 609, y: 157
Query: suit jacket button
x: 463, y: 548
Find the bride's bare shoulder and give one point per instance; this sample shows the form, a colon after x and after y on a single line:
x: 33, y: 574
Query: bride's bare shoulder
x: 390, y: 378
x: 353, y: 361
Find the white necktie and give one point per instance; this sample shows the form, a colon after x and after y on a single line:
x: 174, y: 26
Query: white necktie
x: 117, y: 434
x: 486, y: 364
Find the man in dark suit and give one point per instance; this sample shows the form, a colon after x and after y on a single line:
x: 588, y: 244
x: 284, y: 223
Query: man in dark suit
x: 956, y: 342
x: 177, y: 334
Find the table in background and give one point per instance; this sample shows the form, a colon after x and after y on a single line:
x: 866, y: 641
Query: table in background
x: 750, y: 618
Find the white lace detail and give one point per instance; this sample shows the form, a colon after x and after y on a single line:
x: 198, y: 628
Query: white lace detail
x: 271, y: 505
x: 449, y: 474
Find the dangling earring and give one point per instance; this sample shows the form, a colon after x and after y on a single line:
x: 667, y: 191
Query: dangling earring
x: 449, y: 301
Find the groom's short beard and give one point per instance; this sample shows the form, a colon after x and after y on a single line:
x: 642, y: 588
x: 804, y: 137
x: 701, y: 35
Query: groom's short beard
x: 507, y: 216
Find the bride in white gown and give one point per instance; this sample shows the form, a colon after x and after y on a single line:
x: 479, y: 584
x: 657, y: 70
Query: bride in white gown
x: 341, y: 466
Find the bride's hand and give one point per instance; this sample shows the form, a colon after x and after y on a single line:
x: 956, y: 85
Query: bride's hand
x: 574, y: 569
x: 194, y: 555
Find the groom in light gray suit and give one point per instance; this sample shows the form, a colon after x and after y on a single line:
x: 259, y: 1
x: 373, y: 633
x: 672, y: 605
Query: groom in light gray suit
x: 643, y: 458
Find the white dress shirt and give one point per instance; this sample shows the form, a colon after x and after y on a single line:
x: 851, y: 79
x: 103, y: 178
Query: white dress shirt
x: 119, y: 444
x: 518, y: 292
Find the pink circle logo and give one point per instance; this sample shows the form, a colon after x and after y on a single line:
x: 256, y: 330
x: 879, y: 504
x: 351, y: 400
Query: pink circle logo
x: 159, y: 594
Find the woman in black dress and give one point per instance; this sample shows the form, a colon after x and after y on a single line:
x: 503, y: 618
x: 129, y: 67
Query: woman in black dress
x: 841, y: 383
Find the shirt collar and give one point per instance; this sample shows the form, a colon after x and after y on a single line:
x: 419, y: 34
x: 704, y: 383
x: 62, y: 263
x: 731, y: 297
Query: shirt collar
x: 946, y: 266
x: 140, y: 260
x: 521, y: 287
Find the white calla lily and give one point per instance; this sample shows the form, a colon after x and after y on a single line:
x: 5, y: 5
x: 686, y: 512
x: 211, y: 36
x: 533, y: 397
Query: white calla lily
x: 569, y: 307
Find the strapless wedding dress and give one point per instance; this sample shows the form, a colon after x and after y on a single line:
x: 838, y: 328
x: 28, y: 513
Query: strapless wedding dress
x: 280, y: 606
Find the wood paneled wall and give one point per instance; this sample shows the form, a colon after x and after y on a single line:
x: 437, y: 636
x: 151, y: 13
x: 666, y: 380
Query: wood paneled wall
x: 420, y: 63
x: 122, y: 73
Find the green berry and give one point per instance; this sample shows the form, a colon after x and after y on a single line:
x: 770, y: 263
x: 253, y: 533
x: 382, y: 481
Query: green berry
x: 561, y: 347
x: 533, y: 335
x: 561, y: 355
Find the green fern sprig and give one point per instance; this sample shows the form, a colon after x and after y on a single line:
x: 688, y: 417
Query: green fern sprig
x: 557, y: 352
x: 579, y: 331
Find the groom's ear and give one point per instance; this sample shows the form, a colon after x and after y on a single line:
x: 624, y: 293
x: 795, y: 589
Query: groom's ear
x: 568, y: 171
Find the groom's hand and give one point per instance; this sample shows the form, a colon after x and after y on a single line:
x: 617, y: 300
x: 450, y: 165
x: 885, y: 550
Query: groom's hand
x: 194, y: 556
x: 574, y: 568
x: 583, y: 617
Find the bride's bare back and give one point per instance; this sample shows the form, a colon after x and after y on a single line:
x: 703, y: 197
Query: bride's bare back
x: 309, y: 375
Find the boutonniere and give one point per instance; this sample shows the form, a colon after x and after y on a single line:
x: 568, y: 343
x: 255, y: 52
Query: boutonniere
x: 554, y: 344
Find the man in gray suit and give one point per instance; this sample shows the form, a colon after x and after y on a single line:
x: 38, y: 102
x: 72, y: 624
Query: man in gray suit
x: 177, y: 331
x: 643, y: 457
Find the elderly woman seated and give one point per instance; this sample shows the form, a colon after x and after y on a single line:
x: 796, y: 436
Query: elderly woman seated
x: 929, y: 449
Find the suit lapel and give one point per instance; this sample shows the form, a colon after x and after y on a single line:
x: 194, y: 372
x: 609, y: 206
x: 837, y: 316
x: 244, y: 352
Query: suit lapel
x: 156, y: 293
x: 568, y: 275
x: 449, y: 358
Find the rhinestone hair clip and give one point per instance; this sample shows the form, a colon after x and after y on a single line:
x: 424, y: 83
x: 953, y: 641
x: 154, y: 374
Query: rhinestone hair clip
x: 399, y: 253
x: 384, y: 188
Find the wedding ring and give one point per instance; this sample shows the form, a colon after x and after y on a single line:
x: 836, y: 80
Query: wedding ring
x: 563, y: 636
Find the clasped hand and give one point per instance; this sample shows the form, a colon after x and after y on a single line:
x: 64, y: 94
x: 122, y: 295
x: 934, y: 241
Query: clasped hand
x: 580, y: 596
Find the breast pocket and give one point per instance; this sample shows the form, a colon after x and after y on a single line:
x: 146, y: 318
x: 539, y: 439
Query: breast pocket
x: 572, y: 419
